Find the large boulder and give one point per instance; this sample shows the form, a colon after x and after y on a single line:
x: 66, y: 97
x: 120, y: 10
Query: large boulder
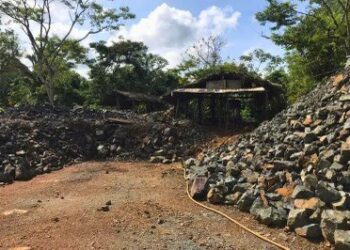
x: 301, y: 192
x: 332, y: 220
x: 199, y: 188
x: 342, y: 239
x: 327, y: 194
x: 268, y: 215
x: 246, y: 201
x: 298, y: 218
x: 23, y: 171
x: 8, y: 174
x: 310, y: 231
x: 216, y: 195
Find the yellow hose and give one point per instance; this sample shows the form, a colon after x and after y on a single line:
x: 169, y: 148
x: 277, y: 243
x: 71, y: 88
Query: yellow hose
x: 236, y: 222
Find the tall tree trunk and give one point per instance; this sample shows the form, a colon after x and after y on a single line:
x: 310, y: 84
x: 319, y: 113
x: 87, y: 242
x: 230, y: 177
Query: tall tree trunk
x: 47, y: 82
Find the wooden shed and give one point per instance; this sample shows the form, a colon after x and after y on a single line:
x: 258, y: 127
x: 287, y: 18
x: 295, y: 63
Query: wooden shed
x: 221, y: 98
x: 124, y: 100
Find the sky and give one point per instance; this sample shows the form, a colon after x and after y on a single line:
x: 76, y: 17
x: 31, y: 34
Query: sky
x: 169, y: 27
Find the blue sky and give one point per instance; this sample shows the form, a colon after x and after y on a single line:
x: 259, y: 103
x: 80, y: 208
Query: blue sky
x: 169, y: 27
x: 241, y: 37
x: 245, y: 36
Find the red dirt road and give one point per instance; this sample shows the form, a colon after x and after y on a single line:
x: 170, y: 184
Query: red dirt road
x: 149, y: 210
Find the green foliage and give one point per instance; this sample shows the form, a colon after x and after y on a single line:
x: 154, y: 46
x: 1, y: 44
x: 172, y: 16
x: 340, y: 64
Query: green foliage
x: 10, y: 67
x: 47, y: 51
x: 22, y: 93
x: 317, y: 39
x: 128, y: 66
x: 299, y: 80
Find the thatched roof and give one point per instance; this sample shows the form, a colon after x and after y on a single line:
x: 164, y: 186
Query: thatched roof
x: 248, y: 81
x: 139, y: 96
x: 218, y: 91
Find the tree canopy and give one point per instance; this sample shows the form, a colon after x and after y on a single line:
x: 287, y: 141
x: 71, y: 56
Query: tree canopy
x: 128, y: 66
x: 45, y: 51
x: 315, y: 35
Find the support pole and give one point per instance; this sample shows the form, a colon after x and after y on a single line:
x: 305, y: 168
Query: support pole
x: 200, y: 109
x: 212, y: 108
x: 177, y: 107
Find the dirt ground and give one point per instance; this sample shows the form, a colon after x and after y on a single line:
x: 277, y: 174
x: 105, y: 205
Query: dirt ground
x: 149, y: 210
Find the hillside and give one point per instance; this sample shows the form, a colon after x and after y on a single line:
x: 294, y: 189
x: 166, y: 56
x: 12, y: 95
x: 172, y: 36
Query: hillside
x: 291, y: 171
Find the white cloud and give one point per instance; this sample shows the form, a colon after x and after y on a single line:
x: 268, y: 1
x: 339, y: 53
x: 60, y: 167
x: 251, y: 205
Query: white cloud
x: 166, y: 30
x: 169, y: 31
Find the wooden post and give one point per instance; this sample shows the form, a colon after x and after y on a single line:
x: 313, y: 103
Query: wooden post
x: 186, y: 108
x: 220, y: 111
x: 212, y: 107
x: 226, y: 113
x: 177, y: 107
x: 200, y: 109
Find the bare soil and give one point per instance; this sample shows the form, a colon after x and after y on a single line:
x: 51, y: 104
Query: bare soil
x: 149, y: 210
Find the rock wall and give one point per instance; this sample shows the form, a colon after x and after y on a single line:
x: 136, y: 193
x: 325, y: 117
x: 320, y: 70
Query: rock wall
x: 38, y: 140
x: 291, y: 171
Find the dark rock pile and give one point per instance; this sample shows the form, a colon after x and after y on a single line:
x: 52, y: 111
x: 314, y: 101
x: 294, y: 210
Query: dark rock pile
x: 291, y: 171
x: 38, y: 140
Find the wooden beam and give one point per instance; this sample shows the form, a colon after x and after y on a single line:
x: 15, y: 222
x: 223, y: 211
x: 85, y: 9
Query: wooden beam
x: 213, y: 108
x: 200, y: 109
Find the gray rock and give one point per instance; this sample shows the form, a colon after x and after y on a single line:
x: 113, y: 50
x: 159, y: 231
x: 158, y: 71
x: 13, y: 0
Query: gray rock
x: 343, y: 203
x: 337, y: 166
x: 232, y: 199
x: 229, y: 182
x: 23, y: 172
x: 332, y: 220
x: 157, y: 159
x: 323, y: 164
x: 345, y: 153
x: 311, y: 231
x: 241, y: 187
x: 250, y: 176
x: 342, y: 239
x: 328, y: 155
x: 283, y: 165
x: 330, y: 175
x: 216, y: 195
x: 199, y: 188
x: 326, y: 193
x: 310, y: 181
x: 344, y: 98
x: 301, y: 192
x: 298, y: 218
x: 167, y: 161
x: 246, y: 201
x: 310, y: 137
x: 8, y: 175
x: 268, y: 215
x: 191, y: 162
x: 102, y: 150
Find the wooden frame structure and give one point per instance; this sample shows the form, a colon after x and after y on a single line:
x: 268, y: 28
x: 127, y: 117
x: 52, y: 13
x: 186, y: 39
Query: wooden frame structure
x: 224, y: 104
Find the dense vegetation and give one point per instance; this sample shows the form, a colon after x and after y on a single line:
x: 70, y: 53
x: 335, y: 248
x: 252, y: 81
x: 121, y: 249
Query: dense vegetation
x: 315, y: 35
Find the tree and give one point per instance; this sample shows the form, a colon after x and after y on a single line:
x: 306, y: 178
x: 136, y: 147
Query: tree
x: 38, y: 13
x: 321, y: 33
x: 316, y: 37
x: 261, y: 62
x: 206, y: 52
x: 204, y: 55
x: 12, y: 71
x: 331, y: 16
x: 128, y: 66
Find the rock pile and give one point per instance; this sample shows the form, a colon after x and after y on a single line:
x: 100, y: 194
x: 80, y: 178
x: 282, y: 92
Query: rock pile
x: 38, y: 140
x: 291, y: 171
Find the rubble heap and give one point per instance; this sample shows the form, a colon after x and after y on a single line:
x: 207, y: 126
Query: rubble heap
x: 38, y: 140
x: 291, y: 171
